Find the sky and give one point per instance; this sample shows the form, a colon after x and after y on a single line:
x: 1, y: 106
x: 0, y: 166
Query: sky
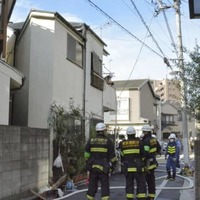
x: 137, y: 38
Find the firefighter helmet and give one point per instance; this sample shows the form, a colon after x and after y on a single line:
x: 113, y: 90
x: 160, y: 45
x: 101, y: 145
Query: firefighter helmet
x: 146, y: 128
x: 172, y: 136
x: 130, y: 130
x: 100, y: 127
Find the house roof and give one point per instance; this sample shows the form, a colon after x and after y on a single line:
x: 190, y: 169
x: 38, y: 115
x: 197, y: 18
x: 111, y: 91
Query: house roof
x: 74, y: 26
x: 44, y: 14
x: 175, y: 105
x: 78, y: 25
x: 135, y: 84
x: 11, y: 4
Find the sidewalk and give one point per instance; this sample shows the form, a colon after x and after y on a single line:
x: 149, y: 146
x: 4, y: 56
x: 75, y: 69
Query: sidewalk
x: 190, y: 193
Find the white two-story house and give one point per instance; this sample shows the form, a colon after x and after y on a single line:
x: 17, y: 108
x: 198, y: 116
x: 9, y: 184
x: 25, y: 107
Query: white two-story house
x: 62, y: 63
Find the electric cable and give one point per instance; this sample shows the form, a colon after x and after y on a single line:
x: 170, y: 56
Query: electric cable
x: 134, y: 64
x: 142, y: 19
x: 124, y: 29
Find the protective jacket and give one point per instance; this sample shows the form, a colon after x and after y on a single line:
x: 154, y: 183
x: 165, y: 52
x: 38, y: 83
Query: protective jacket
x: 100, y: 158
x: 100, y: 153
x: 151, y: 147
x: 132, y: 154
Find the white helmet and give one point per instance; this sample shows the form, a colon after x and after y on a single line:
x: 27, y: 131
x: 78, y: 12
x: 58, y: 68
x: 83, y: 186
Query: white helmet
x: 130, y: 130
x: 100, y: 127
x: 154, y: 136
x: 146, y: 128
x: 172, y: 136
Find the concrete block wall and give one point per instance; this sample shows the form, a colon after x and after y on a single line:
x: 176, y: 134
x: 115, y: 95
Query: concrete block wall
x: 24, y: 160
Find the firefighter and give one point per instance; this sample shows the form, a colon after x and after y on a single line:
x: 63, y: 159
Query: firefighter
x: 100, y: 159
x: 132, y: 152
x: 172, y: 152
x: 152, y: 148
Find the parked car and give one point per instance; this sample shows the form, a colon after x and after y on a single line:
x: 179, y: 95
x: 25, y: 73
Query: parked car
x: 163, y: 145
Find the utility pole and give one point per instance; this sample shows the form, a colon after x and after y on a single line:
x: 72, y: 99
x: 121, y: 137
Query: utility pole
x: 183, y: 83
x: 182, y: 75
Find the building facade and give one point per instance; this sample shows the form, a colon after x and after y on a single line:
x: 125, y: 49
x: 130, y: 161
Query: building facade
x: 137, y: 105
x: 62, y: 63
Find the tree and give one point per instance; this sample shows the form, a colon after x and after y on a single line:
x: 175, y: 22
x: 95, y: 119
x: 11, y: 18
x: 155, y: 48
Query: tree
x: 192, y: 76
x: 69, y: 137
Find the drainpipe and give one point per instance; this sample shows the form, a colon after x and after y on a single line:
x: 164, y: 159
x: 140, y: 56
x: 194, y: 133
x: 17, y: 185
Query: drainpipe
x: 84, y: 28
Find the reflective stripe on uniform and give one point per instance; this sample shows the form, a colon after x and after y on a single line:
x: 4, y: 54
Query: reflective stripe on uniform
x: 128, y: 195
x: 90, y: 198
x: 171, y: 149
x: 141, y: 195
x: 98, y: 167
x: 113, y: 159
x: 134, y: 169
x: 131, y: 151
x: 151, y: 195
x: 152, y: 166
x: 153, y: 150
x: 98, y: 149
x: 105, y: 198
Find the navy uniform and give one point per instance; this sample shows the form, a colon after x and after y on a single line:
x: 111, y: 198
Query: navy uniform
x: 132, y: 153
x: 100, y: 159
x: 151, y: 147
x: 172, y: 152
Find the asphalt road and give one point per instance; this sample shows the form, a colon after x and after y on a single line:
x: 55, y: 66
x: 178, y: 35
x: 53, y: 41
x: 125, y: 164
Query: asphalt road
x: 165, y: 189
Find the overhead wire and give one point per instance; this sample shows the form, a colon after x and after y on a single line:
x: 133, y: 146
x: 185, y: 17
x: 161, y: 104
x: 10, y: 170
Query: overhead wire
x: 124, y: 29
x: 135, y: 62
x: 151, y: 35
x: 162, y: 8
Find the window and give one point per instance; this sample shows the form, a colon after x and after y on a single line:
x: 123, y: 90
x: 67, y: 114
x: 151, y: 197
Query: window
x: 74, y: 50
x: 96, y: 72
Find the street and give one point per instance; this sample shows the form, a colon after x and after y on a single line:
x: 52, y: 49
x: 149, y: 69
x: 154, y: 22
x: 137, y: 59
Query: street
x: 165, y: 189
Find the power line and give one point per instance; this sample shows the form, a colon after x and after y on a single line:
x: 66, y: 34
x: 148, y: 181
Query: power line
x: 162, y: 8
x: 124, y: 29
x: 134, y: 64
x: 147, y: 27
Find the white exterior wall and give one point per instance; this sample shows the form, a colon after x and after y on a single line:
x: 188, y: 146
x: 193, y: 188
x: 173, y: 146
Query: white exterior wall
x: 40, y: 77
x: 67, y: 76
x: 94, y: 96
x: 4, y: 98
x: 135, y: 106
x: 23, y: 64
x: 147, y: 101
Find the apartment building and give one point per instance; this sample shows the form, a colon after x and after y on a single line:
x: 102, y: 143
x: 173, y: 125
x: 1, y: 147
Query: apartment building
x: 167, y: 90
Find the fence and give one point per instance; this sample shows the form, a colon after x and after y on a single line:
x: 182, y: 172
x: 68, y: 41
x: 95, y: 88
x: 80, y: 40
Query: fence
x: 24, y: 161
